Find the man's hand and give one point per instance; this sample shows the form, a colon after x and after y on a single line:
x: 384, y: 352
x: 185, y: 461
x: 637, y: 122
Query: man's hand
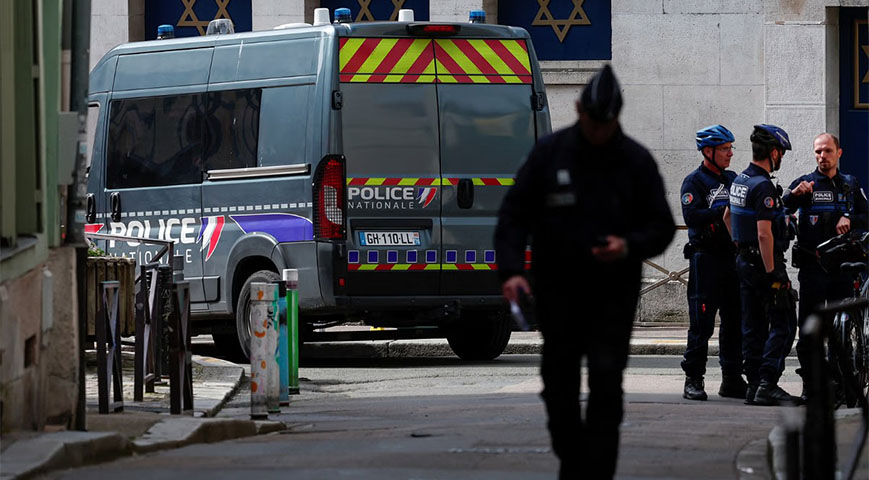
x: 803, y: 187
x: 844, y: 225
x: 615, y: 249
x: 513, y: 285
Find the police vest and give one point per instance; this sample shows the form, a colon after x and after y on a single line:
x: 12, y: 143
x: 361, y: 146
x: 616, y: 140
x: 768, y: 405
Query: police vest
x: 820, y: 210
x: 751, y: 191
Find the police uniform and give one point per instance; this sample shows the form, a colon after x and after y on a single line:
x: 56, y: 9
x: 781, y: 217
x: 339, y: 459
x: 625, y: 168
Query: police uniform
x: 819, y: 211
x: 768, y: 318
x: 712, y: 285
x: 567, y: 196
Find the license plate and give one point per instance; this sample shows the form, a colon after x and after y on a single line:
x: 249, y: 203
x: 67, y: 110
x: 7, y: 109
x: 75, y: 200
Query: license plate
x: 388, y: 239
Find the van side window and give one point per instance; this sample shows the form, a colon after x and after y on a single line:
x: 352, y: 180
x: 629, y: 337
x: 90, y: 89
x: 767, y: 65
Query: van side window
x: 155, y: 141
x: 233, y: 128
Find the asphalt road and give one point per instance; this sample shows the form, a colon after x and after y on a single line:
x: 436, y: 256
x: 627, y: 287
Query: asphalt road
x: 441, y: 418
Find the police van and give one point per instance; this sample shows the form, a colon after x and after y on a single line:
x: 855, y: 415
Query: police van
x: 372, y: 157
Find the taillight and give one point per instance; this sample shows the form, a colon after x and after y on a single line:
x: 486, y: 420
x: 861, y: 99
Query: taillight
x: 330, y: 199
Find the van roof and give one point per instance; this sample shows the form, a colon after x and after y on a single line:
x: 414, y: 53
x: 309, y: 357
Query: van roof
x: 365, y: 29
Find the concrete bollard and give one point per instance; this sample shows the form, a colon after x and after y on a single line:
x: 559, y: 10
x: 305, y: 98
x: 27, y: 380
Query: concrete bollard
x: 291, y: 277
x: 264, y: 383
x: 283, y: 352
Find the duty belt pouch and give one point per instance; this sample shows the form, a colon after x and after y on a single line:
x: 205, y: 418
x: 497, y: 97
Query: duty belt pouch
x: 688, y: 251
x: 796, y: 256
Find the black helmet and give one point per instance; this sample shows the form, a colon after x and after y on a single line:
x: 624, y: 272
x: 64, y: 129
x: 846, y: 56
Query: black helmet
x: 602, y: 97
x: 771, y: 135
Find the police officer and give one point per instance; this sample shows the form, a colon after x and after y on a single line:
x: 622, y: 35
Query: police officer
x: 828, y: 203
x: 761, y: 230
x: 712, y: 285
x: 592, y: 203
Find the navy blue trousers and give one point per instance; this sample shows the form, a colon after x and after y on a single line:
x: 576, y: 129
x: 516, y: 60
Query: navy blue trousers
x: 768, y: 328
x: 713, y: 287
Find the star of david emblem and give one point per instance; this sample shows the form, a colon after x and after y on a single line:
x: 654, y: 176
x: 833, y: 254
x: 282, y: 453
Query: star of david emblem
x: 189, y: 18
x: 561, y: 26
x: 866, y: 51
x: 366, y: 16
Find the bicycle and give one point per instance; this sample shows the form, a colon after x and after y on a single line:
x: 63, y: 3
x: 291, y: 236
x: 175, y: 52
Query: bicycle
x: 849, y: 338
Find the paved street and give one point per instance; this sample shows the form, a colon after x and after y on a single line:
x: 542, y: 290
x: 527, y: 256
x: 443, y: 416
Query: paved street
x: 440, y: 418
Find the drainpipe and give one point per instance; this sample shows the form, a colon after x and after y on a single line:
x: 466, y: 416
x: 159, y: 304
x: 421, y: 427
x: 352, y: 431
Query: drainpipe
x: 79, y: 73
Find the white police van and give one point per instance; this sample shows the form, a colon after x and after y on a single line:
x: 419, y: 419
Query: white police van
x: 371, y: 157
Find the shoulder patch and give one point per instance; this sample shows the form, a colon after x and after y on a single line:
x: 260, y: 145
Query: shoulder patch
x: 768, y: 202
x: 687, y: 198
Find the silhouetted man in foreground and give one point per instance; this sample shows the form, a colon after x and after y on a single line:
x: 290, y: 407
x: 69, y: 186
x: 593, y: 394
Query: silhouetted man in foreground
x: 590, y: 202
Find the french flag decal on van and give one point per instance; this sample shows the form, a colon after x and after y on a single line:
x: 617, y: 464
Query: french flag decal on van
x: 210, y: 232
x: 425, y: 196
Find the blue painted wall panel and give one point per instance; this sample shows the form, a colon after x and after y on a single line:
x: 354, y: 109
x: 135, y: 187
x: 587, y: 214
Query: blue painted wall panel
x: 563, y: 29
x: 190, y: 17
x: 378, y: 9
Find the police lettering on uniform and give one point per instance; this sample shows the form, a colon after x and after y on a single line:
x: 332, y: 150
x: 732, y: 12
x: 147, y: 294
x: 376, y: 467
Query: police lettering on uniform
x: 828, y: 203
x: 591, y: 202
x: 761, y: 229
x: 712, y: 284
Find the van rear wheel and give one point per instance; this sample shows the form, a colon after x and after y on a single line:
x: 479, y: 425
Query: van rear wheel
x: 242, y: 308
x: 480, y: 337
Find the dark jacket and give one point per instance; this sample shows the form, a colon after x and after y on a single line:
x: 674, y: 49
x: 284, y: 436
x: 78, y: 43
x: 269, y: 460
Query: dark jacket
x: 704, y: 196
x: 568, y: 195
x: 820, y: 210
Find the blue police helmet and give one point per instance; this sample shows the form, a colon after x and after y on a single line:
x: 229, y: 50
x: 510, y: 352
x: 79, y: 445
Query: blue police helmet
x: 713, y: 136
x: 771, y: 135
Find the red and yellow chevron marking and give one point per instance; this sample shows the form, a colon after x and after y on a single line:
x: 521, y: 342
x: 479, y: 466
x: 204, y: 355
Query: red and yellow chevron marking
x: 428, y: 182
x: 387, y: 60
x: 416, y: 267
x: 482, y: 61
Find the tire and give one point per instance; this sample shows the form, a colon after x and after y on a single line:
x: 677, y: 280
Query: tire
x: 849, y: 358
x: 480, y: 337
x: 242, y: 308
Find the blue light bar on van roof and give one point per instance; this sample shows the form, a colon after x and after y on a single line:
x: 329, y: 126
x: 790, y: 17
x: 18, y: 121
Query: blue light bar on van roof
x: 477, y: 16
x: 165, y: 31
x: 342, y: 15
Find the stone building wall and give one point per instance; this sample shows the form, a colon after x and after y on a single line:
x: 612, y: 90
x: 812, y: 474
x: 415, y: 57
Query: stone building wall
x: 685, y: 64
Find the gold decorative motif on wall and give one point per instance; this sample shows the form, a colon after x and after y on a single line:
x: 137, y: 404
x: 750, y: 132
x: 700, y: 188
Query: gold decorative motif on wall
x: 861, y: 62
x: 366, y: 16
x: 189, y: 18
x: 561, y: 26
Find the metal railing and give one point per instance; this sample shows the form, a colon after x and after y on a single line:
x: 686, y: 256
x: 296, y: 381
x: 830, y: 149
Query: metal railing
x: 672, y: 276
x: 162, y: 320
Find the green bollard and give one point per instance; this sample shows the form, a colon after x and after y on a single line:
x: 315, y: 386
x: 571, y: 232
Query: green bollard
x: 291, y: 277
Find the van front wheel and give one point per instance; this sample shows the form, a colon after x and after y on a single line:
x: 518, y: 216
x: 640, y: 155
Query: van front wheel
x: 482, y: 337
x: 242, y: 308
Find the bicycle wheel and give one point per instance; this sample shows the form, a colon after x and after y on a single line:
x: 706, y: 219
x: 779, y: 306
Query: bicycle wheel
x: 849, y: 357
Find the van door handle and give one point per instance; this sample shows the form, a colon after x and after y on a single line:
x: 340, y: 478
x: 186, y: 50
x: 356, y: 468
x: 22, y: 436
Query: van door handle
x: 465, y: 193
x: 91, y: 209
x: 116, y: 206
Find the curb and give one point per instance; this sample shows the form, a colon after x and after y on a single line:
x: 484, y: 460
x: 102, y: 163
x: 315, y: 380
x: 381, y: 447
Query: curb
x: 28, y: 458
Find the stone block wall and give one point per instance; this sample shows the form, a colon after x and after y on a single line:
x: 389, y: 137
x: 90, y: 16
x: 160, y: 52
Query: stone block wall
x: 39, y: 345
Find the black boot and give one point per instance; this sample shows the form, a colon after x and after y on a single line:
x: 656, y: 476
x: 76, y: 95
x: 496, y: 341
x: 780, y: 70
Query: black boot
x: 769, y: 393
x: 750, y: 393
x: 732, y: 386
x: 694, y: 389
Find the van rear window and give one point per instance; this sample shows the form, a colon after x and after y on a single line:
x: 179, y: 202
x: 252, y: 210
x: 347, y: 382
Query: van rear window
x: 413, y: 60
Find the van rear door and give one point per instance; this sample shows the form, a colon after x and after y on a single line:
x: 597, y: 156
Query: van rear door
x: 486, y: 131
x: 391, y: 142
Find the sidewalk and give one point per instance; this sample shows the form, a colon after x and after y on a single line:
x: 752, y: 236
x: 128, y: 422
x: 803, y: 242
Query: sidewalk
x: 142, y: 427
